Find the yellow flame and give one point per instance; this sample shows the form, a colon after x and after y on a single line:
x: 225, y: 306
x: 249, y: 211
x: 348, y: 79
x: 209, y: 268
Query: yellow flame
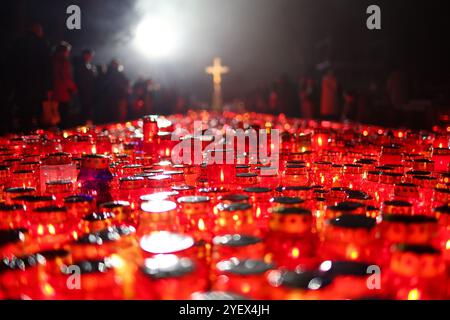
x: 414, y: 294
x: 94, y: 149
x: 40, y: 230
x: 167, y: 152
x: 258, y: 212
x: 319, y: 141
x: 222, y: 177
x: 352, y: 253
x: 48, y: 289
x: 295, y: 252
x: 51, y: 229
x: 201, y: 225
x: 447, y: 245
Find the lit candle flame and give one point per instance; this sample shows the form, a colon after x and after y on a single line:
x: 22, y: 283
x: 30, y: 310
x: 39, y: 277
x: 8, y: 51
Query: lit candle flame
x: 51, y: 229
x: 201, y: 225
x: 319, y: 141
x: 414, y: 294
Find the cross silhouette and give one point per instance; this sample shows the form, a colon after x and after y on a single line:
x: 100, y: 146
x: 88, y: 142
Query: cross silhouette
x: 217, y: 70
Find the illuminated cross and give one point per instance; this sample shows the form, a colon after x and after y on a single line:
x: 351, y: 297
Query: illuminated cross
x: 216, y: 70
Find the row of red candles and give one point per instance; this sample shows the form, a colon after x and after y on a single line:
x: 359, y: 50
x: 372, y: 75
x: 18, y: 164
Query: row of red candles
x: 343, y: 200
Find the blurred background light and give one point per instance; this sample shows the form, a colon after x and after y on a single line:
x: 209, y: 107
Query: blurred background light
x: 156, y: 37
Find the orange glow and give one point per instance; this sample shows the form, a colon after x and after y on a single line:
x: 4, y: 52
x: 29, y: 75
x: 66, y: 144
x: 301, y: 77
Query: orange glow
x: 48, y: 289
x: 222, y: 177
x: 94, y: 149
x: 447, y: 245
x: 319, y: 141
x: 400, y: 134
x: 414, y: 294
x: 352, y: 253
x: 167, y: 152
x: 365, y: 133
x: 246, y: 288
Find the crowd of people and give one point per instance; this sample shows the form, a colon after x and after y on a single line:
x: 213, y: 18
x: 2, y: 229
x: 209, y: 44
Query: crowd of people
x: 324, y: 95
x: 49, y: 86
x: 41, y: 76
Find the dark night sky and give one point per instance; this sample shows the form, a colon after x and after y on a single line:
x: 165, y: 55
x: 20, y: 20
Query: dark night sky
x: 257, y: 39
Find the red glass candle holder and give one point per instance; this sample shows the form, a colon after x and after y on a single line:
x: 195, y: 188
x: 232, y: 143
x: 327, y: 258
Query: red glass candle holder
x: 399, y: 228
x: 104, y: 243
x: 158, y: 215
x: 240, y: 246
x: 79, y: 205
x: 60, y: 189
x: 24, y: 178
x: 295, y: 175
x: 96, y: 221
x: 31, y: 202
x: 20, y: 276
x: 51, y: 227
x: 290, y: 240
x: 416, y: 272
x: 13, y: 192
x: 12, y: 242
x: 98, y: 281
x: 441, y: 158
x: 123, y: 211
x: 54, y: 283
x: 235, y: 218
x: 349, y: 237
x: 345, y: 208
x: 12, y: 216
x: 195, y: 217
x: 303, y: 285
x: 245, y: 277
x: 349, y: 280
x: 168, y: 277
x: 165, y: 242
x: 390, y: 154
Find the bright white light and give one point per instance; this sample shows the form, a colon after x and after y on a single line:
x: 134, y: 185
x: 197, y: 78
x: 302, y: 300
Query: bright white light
x: 156, y: 37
